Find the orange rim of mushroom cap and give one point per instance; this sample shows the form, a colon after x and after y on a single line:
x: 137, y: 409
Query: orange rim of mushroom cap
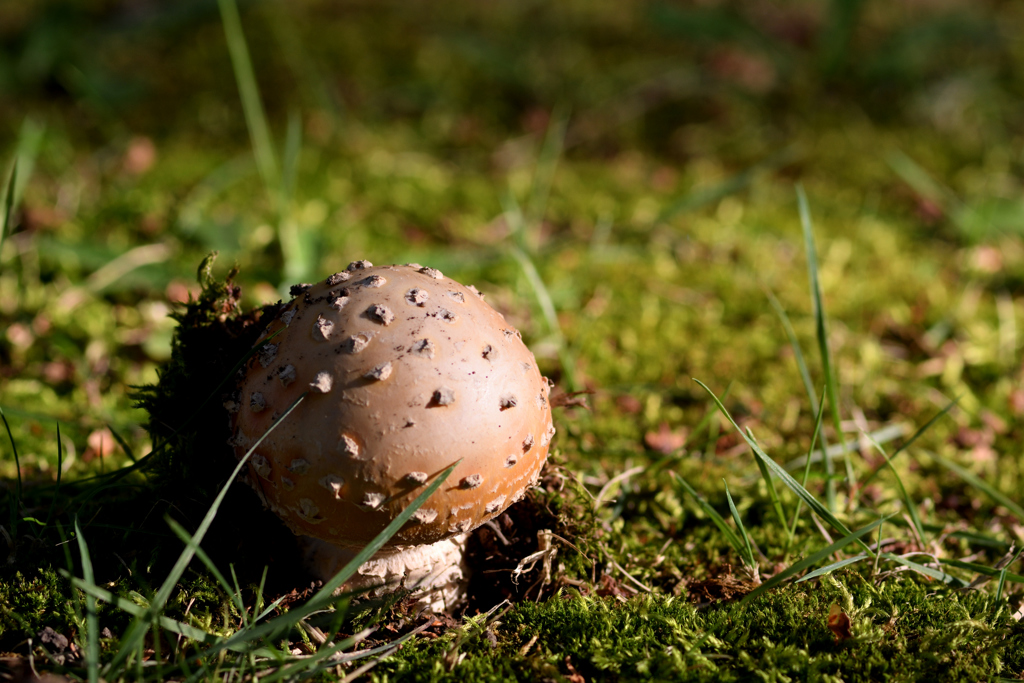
x: 408, y: 372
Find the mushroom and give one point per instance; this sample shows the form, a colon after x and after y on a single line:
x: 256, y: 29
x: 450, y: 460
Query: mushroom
x: 412, y: 373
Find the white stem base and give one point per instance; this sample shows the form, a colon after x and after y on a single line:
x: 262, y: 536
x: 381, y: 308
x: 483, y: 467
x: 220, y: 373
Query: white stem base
x: 435, y: 574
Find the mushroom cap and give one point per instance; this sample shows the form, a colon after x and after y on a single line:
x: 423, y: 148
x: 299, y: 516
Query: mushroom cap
x: 408, y: 372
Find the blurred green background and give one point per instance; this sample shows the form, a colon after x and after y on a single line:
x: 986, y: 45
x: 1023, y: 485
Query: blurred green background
x: 642, y: 154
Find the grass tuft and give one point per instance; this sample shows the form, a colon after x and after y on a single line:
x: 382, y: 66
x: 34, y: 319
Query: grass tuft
x: 813, y: 503
x: 825, y: 350
x: 742, y: 547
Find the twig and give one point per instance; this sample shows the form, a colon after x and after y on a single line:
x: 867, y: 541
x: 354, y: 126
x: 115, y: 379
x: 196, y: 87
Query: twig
x: 614, y: 480
x: 497, y: 532
x: 628, y: 575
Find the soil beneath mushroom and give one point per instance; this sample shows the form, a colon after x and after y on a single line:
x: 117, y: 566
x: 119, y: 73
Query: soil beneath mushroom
x: 496, y: 550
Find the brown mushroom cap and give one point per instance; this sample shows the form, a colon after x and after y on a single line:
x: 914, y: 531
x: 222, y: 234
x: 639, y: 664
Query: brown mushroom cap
x: 407, y: 372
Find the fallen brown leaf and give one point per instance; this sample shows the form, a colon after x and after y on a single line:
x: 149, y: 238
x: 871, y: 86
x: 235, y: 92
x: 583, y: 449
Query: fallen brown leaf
x: 839, y: 623
x: 665, y: 440
x: 609, y: 586
x: 724, y: 585
x: 628, y: 404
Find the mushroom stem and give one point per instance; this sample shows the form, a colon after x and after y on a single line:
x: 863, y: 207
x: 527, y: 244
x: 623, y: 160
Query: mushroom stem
x: 435, y: 574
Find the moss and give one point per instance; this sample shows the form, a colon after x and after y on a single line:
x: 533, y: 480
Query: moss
x: 186, y: 421
x: 902, y: 631
x: 189, y: 427
x: 31, y: 600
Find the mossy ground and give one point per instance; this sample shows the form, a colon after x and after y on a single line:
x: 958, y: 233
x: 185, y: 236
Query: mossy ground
x: 652, y: 150
x: 783, y: 636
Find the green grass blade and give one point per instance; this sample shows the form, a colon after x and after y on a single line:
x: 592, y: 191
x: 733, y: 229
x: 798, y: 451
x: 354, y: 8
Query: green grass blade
x: 513, y: 214
x: 186, y: 538
x: 292, y: 148
x: 907, y: 500
x: 138, y: 629
x: 700, y: 198
x: 965, y: 216
x: 714, y: 432
x: 540, y: 291
x: 794, y: 344
x: 269, y: 608
x: 8, y: 206
x: 315, y: 663
x: 259, y: 601
x: 773, y: 493
x: 60, y: 466
x: 711, y: 413
x: 237, y: 592
x: 807, y: 472
x: 131, y: 608
x: 297, y: 266
x: 978, y: 483
x: 814, y: 559
x: 30, y: 140
x: 985, y: 570
x: 17, y: 460
x: 926, y: 571
x: 909, y: 442
x: 68, y: 569
x: 325, y: 597
x: 748, y: 551
x: 544, y: 175
x: 519, y: 251
x: 828, y: 569
x: 122, y: 443
x: 878, y: 550
x: 839, y: 24
x: 805, y: 376
x: 718, y: 520
x: 882, y: 435
x: 92, y: 635
x: 1004, y: 574
x: 920, y: 180
x: 252, y: 106
x: 973, y: 537
x: 824, y: 349
x: 782, y: 474
x: 547, y: 307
